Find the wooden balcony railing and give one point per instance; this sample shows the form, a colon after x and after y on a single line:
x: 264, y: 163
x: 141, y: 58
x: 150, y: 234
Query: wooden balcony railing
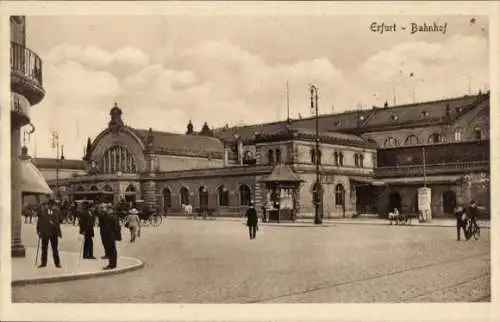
x: 441, y: 168
x: 26, y: 62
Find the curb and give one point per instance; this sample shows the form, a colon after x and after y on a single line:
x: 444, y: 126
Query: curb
x: 78, y: 276
x: 417, y: 225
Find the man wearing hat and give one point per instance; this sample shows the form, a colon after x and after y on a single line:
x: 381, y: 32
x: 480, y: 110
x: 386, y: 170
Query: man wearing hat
x: 252, y: 220
x: 48, y: 229
x: 133, y: 223
x: 86, y: 222
x: 100, y: 212
x: 111, y: 232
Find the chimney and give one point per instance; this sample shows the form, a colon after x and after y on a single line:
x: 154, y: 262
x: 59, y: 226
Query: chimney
x: 240, y: 150
x: 226, y: 156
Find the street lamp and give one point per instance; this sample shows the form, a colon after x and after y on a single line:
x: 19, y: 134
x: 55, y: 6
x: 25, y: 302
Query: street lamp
x: 318, y: 191
x: 59, y: 159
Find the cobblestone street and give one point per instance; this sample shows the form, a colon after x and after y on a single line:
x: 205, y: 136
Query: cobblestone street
x: 215, y: 262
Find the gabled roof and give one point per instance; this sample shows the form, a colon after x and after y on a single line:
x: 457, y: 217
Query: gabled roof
x: 282, y: 173
x: 367, y: 119
x: 182, y: 144
x: 51, y: 163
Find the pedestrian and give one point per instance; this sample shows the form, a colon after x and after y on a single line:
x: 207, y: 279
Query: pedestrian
x: 252, y: 221
x: 461, y: 220
x: 111, y: 232
x: 133, y: 223
x: 86, y: 222
x: 473, y: 213
x: 48, y: 229
x: 100, y: 213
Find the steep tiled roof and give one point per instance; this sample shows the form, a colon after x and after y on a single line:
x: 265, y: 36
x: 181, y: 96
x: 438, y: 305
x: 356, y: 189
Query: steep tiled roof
x: 282, y: 173
x: 183, y: 144
x: 50, y: 163
x: 365, y: 120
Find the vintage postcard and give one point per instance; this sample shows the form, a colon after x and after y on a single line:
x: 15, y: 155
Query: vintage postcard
x: 315, y: 161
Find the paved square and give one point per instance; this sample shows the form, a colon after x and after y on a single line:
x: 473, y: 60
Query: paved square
x: 215, y: 262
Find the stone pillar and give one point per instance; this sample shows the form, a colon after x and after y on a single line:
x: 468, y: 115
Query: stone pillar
x: 150, y: 192
x: 17, y: 247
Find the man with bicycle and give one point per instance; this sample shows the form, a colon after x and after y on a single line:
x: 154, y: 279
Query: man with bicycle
x: 473, y: 212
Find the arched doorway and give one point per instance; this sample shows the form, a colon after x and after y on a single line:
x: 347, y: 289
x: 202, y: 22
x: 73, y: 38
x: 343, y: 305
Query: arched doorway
x: 449, y: 202
x: 203, y: 197
x: 340, y: 197
x: 184, y: 195
x: 394, y: 202
x: 167, y: 199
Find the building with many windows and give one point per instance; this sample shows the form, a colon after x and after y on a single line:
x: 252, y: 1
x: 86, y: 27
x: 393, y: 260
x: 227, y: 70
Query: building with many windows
x: 371, y: 161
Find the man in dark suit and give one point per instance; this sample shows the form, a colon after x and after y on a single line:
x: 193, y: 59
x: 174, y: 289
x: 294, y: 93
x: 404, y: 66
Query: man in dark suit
x: 111, y: 232
x: 252, y: 221
x: 100, y: 212
x: 48, y: 229
x: 86, y: 222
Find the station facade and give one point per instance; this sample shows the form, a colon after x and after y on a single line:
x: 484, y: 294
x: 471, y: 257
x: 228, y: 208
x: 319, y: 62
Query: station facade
x: 371, y: 161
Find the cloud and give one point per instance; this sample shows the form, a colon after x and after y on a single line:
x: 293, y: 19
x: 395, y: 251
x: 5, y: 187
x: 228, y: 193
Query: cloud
x: 96, y: 57
x: 219, y: 82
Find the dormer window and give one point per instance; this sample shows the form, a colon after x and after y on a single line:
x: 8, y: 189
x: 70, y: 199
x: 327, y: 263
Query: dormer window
x: 458, y: 109
x: 394, y: 117
x: 424, y: 114
x: 361, y: 117
x: 337, y: 123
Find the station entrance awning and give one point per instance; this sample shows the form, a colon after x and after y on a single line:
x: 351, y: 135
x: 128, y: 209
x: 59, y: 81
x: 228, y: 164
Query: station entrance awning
x: 32, y: 180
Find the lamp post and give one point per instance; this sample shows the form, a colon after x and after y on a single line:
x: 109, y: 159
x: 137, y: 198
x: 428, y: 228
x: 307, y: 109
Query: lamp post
x: 318, y: 191
x: 59, y: 159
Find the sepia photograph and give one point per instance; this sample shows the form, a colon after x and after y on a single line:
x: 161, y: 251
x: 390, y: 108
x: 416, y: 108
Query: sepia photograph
x: 179, y: 157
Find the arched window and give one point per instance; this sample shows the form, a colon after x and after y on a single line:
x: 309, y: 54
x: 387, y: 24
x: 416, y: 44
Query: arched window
x: 203, y: 196
x: 270, y: 156
x: 411, y: 140
x: 94, y: 188
x: 478, y: 133
x: 118, y: 158
x: 457, y: 135
x: 167, y: 199
x: 360, y: 160
x: 356, y: 160
x: 184, y: 195
x: 435, y: 138
x: 391, y: 142
x: 107, y: 188
x: 341, y: 159
x: 278, y: 155
x: 245, y: 195
x: 223, y: 196
x: 313, y: 156
x: 336, y: 158
x: 339, y: 194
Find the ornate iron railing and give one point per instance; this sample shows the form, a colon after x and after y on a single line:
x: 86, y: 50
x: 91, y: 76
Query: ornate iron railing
x: 26, y: 61
x: 409, y: 170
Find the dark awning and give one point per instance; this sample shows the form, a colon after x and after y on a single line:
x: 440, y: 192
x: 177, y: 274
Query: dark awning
x: 362, y: 179
x: 282, y: 173
x: 32, y: 180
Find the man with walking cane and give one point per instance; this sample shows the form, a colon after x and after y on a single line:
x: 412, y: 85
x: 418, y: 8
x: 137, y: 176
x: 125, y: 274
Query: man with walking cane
x: 111, y: 232
x: 87, y: 222
x: 48, y: 229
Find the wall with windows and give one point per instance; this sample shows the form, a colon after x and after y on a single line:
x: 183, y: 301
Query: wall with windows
x: 228, y: 195
x: 339, y: 197
x: 335, y: 155
x: 272, y: 153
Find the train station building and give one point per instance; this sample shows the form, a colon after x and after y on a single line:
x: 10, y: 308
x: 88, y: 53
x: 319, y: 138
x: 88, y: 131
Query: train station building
x: 371, y: 161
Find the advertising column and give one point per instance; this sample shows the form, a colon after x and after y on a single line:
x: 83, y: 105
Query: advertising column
x: 424, y: 203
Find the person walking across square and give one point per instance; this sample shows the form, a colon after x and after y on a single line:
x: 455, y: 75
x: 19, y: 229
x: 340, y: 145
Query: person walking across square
x: 252, y: 221
x: 49, y: 230
x: 133, y: 223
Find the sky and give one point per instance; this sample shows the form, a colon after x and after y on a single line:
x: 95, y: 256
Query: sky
x: 166, y: 70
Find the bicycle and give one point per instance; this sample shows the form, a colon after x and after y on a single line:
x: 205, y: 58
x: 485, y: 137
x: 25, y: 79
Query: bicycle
x: 473, y: 229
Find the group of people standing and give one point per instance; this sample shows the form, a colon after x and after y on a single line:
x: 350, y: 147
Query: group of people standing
x: 464, y: 214
x: 49, y: 230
